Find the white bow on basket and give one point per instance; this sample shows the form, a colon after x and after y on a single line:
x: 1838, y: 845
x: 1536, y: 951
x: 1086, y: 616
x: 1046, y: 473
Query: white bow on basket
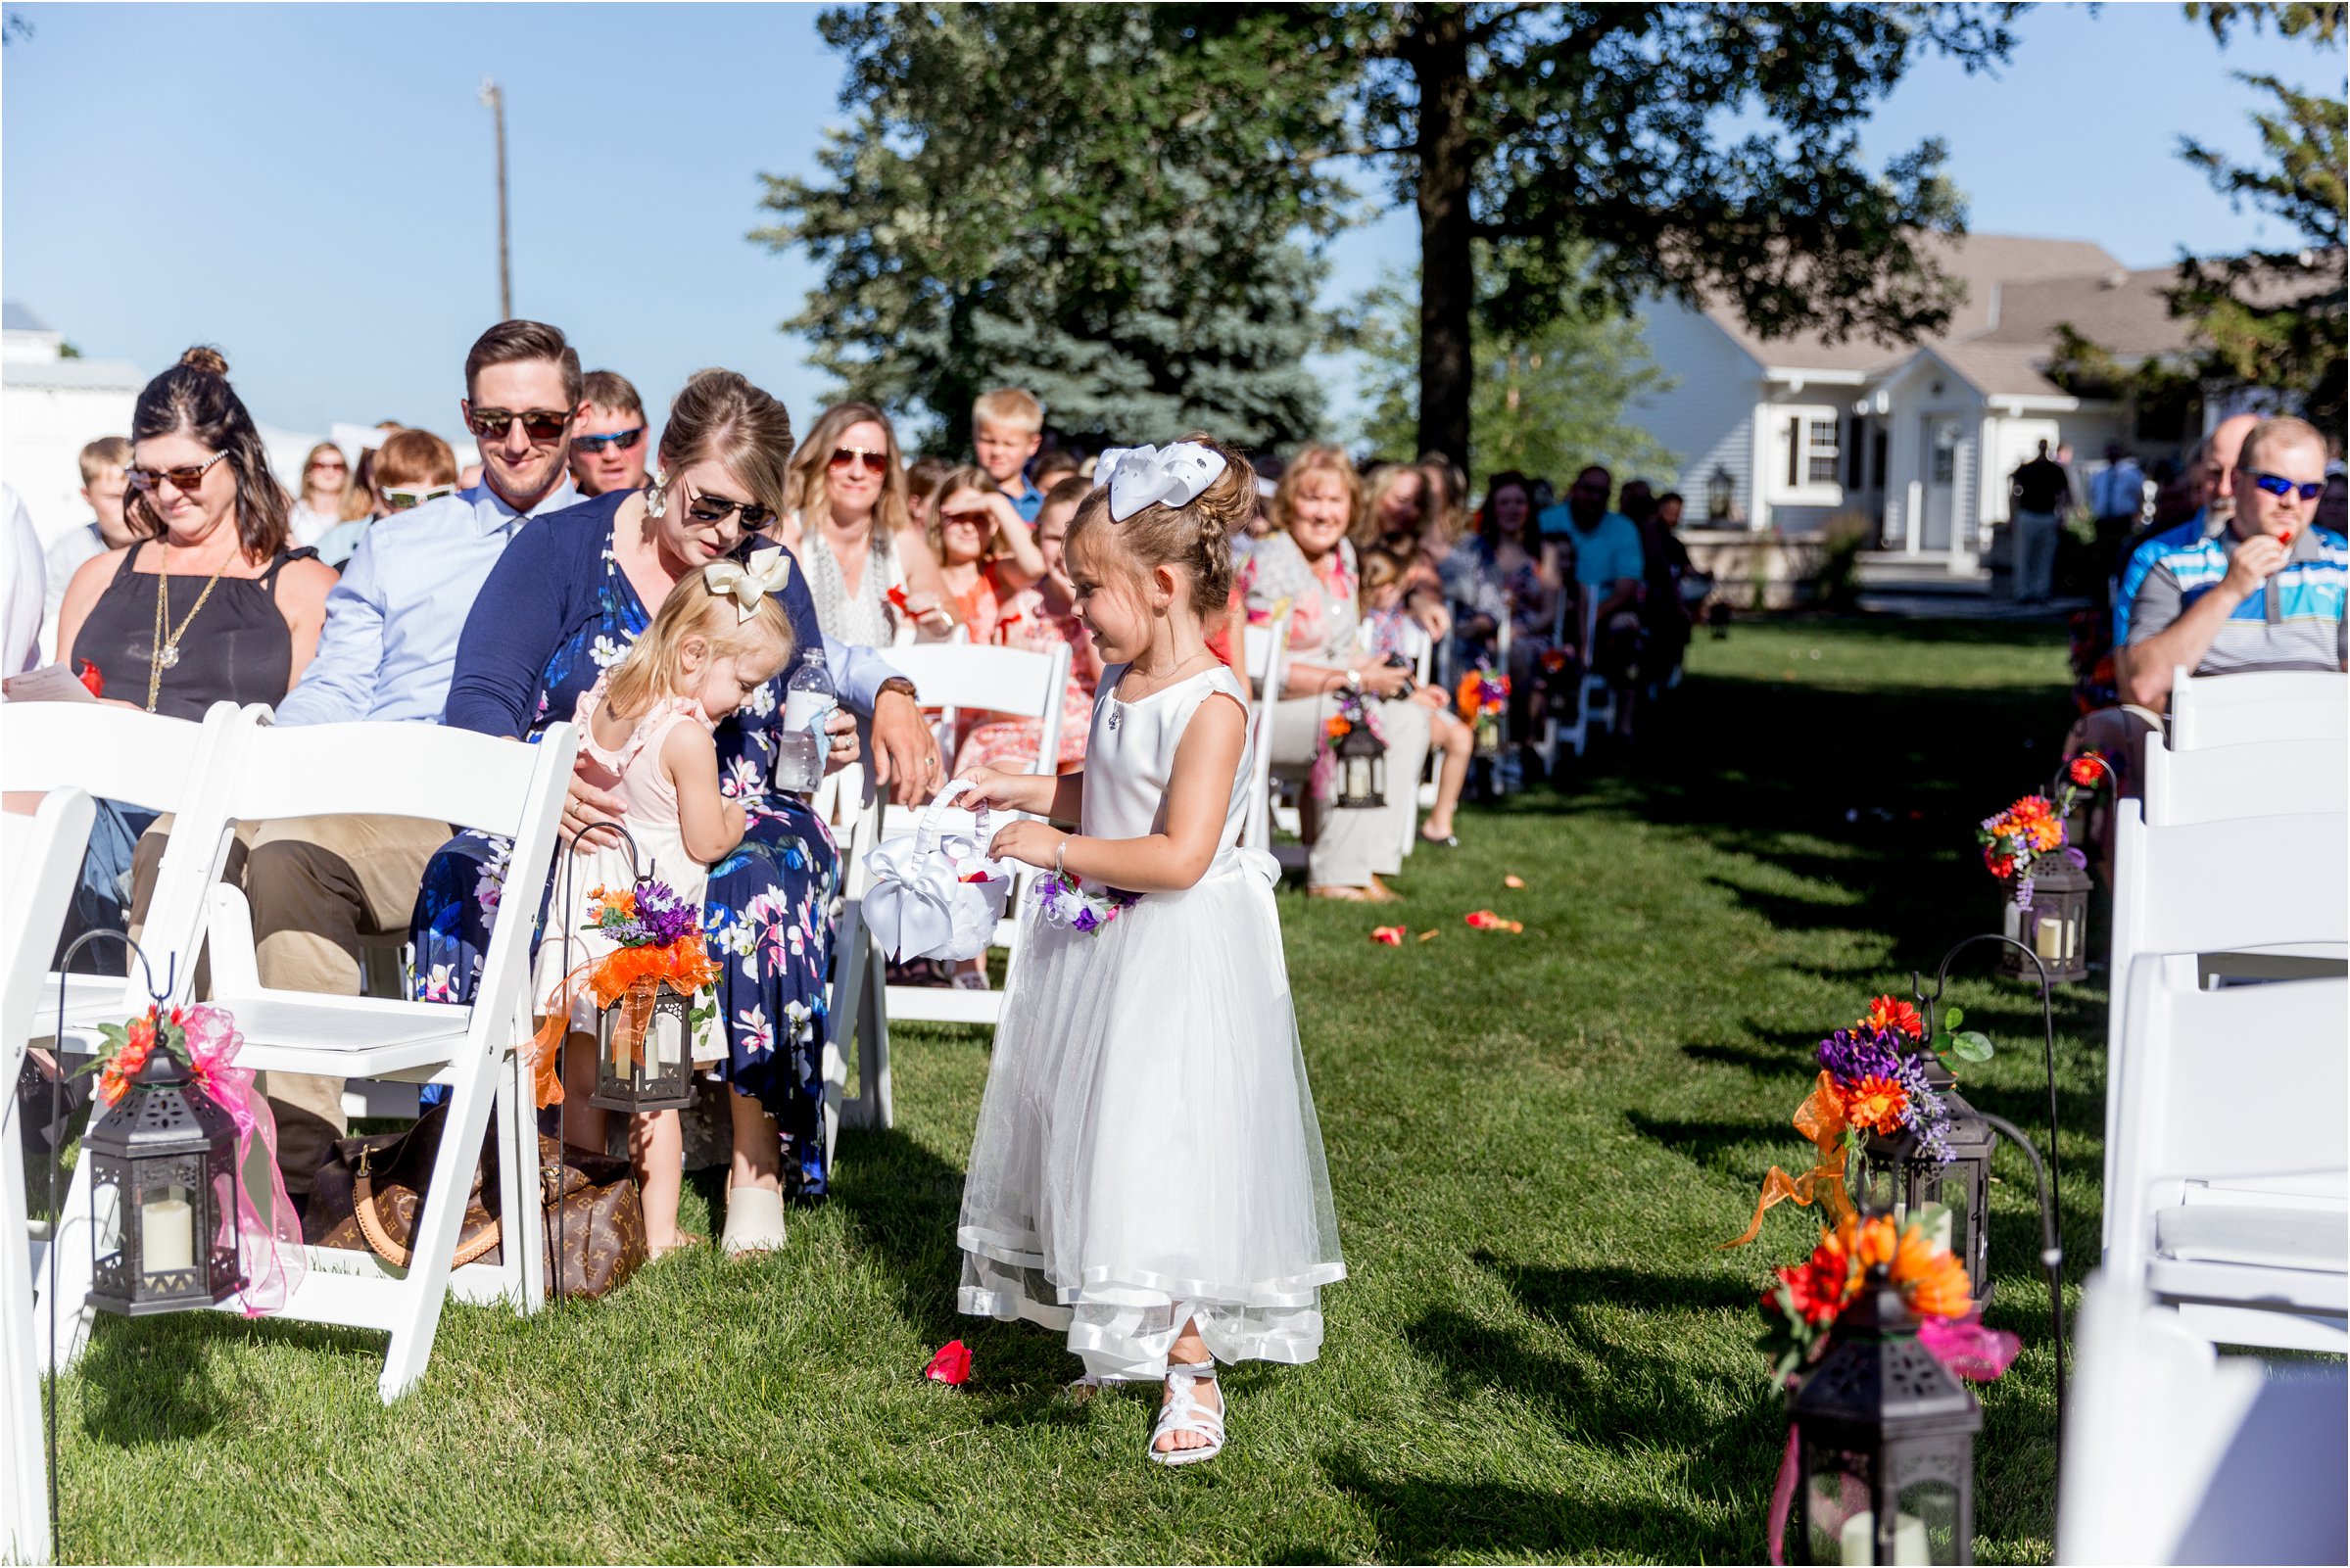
x: 937, y: 894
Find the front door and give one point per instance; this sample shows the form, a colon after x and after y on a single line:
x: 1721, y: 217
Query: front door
x: 1943, y: 432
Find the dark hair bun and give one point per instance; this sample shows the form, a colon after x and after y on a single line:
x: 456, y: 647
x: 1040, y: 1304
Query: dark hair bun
x: 204, y: 356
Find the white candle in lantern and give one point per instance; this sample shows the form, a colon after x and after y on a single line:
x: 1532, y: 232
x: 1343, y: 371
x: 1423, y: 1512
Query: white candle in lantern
x: 668, y: 1048
x: 2048, y: 941
x: 167, y: 1234
x: 1910, y: 1538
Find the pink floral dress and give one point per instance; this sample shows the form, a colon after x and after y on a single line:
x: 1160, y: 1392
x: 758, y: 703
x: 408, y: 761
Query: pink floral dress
x: 1024, y: 622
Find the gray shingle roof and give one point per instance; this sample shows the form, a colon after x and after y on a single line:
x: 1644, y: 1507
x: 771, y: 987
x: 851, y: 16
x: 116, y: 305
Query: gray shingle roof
x: 17, y: 317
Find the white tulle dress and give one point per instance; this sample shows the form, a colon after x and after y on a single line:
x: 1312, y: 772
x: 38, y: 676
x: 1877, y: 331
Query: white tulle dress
x: 1147, y: 1150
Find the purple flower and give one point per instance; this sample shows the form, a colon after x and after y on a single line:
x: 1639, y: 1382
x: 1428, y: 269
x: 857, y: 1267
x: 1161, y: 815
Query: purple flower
x: 1853, y: 1055
x: 662, y: 914
x: 1085, y: 921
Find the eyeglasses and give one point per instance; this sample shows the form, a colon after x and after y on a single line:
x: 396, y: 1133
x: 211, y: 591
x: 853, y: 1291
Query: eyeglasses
x: 2281, y: 487
x: 540, y: 424
x: 590, y: 446
x: 184, y: 478
x: 717, y: 509
x: 863, y: 459
x: 400, y: 500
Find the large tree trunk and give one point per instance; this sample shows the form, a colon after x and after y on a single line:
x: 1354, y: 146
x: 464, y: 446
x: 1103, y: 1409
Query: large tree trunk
x: 1437, y: 51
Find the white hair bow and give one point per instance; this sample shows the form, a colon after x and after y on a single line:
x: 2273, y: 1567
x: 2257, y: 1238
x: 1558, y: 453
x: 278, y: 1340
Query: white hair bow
x: 769, y: 570
x: 1141, y: 476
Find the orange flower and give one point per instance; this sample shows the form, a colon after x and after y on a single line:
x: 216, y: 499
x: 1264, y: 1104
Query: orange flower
x: 113, y: 1085
x: 622, y: 901
x: 1891, y: 1012
x: 1485, y: 920
x: 1932, y: 1280
x: 1876, y: 1103
x: 2087, y: 769
x: 1336, y: 726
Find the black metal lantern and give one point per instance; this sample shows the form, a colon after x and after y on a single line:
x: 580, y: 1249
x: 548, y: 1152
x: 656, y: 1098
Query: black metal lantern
x: 1885, y: 1440
x: 164, y: 1226
x: 1362, y: 761
x: 647, y: 1063
x: 2054, y: 923
x: 1899, y: 1178
x: 1721, y: 492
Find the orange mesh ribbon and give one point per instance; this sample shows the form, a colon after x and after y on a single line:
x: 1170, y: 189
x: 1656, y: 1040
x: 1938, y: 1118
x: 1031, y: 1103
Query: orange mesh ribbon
x: 1821, y: 1118
x: 630, y: 975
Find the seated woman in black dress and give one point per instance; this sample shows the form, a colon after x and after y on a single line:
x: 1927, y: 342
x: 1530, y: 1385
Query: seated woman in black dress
x: 566, y: 600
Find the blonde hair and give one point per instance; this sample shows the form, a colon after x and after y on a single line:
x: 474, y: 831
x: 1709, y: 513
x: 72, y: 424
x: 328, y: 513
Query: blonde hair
x: 1196, y: 537
x: 720, y: 417
x: 1383, y: 479
x: 652, y: 669
x: 1317, y: 460
x: 810, y: 495
x: 970, y: 476
x: 1010, y: 407
x: 108, y: 455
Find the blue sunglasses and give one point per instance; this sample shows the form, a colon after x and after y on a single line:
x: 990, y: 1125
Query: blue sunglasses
x: 622, y: 439
x: 2281, y: 487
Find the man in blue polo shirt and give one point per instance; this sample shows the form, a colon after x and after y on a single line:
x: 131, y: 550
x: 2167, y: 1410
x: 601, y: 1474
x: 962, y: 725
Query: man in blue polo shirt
x: 2263, y: 591
x: 1607, y: 564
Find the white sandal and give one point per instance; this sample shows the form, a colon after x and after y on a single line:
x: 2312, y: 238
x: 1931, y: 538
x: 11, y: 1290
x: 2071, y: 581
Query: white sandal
x: 754, y: 1221
x: 1184, y: 1412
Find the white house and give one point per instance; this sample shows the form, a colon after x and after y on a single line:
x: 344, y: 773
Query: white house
x: 1917, y: 438
x: 50, y: 408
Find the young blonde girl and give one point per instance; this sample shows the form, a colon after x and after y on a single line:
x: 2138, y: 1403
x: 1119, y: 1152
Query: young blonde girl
x: 1147, y: 1175
x: 644, y: 735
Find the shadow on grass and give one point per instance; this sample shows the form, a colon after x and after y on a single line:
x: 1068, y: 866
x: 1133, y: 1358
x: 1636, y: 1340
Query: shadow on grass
x: 1553, y: 1294
x: 148, y: 1382
x: 1705, y: 1142
x: 1423, y: 1520
x: 902, y: 1202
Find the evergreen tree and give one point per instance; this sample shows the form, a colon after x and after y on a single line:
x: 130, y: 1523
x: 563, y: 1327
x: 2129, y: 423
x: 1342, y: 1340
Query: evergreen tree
x: 1110, y: 205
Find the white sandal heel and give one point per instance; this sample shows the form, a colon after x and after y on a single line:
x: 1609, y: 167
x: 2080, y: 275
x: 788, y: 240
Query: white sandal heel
x: 754, y: 1221
x: 1184, y: 1412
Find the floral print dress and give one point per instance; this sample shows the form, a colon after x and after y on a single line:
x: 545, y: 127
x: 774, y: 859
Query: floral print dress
x: 1024, y: 622
x: 766, y: 910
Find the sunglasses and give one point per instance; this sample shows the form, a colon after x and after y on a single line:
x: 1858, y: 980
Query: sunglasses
x: 623, y: 440
x: 862, y: 458
x: 184, y: 478
x: 400, y: 500
x: 329, y: 465
x: 2281, y: 487
x: 540, y: 424
x: 717, y: 509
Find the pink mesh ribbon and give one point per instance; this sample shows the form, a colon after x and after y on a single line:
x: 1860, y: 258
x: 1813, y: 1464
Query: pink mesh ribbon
x: 270, y: 1250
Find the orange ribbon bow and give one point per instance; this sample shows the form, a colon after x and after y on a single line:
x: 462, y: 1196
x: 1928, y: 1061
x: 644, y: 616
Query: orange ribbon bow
x: 1821, y: 1118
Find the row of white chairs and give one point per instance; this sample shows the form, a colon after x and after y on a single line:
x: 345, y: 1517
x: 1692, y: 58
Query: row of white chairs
x: 2226, y: 1141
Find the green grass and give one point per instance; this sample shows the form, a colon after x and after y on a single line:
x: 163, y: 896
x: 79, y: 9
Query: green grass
x: 1535, y: 1142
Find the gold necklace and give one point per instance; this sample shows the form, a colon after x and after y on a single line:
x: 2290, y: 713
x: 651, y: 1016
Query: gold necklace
x: 164, y: 652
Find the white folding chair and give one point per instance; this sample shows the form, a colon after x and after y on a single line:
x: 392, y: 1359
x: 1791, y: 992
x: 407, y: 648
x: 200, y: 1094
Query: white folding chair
x: 2174, y: 1454
x: 438, y: 775
x: 1594, y: 702
x: 1266, y: 654
x: 960, y: 677
x: 2229, y: 1159
x: 141, y: 759
x: 2231, y: 710
x: 856, y: 1021
x: 43, y: 856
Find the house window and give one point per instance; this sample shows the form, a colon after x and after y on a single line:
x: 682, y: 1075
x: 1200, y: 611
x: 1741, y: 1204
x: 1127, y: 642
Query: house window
x: 1814, y: 448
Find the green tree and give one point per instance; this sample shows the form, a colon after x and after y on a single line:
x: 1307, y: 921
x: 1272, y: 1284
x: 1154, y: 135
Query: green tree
x: 1112, y: 204
x: 1546, y: 404
x: 2278, y: 318
x: 1620, y: 150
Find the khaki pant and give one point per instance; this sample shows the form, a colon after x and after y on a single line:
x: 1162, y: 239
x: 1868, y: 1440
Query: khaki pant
x: 317, y: 886
x: 1349, y: 847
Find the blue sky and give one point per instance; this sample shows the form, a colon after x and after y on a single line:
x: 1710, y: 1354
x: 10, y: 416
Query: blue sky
x: 310, y: 186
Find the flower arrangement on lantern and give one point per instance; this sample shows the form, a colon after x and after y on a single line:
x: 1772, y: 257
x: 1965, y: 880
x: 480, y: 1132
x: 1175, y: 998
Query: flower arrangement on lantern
x: 1482, y: 692
x: 1352, y: 713
x: 1804, y: 1300
x: 2034, y: 828
x: 1873, y: 1079
x: 656, y: 940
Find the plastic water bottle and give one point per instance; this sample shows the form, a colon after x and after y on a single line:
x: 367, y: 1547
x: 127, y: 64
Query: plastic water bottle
x: 808, y: 701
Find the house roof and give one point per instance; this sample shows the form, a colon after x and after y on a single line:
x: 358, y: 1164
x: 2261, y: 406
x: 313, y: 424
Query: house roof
x: 15, y: 317
x: 72, y: 375
x: 1985, y: 267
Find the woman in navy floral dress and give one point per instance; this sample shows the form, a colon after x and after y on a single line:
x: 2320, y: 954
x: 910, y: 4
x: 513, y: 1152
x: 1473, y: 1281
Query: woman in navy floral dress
x: 570, y: 594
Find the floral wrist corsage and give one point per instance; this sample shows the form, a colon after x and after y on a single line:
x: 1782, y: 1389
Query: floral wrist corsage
x: 1063, y: 900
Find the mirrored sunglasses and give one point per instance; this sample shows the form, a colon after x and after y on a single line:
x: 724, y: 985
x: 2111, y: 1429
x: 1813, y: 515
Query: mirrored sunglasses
x: 622, y: 440
x: 2281, y: 487
x: 400, y: 500
x: 540, y: 424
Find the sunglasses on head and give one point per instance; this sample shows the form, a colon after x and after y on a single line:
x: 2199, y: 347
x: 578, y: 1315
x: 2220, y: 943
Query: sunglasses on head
x: 400, y: 500
x: 717, y: 509
x: 184, y: 478
x: 624, y: 440
x: 540, y: 424
x: 863, y: 459
x: 2281, y: 487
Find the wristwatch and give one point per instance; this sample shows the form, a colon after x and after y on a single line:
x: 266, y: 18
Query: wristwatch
x: 898, y: 684
x: 1354, y: 683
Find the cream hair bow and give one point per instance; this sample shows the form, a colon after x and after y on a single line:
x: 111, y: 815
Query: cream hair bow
x: 1142, y: 476
x: 769, y: 570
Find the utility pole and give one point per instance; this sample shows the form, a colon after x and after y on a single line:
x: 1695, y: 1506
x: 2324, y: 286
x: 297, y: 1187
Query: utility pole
x: 494, y: 101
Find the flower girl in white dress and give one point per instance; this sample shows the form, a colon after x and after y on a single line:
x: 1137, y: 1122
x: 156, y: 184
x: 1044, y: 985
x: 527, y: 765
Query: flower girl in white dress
x: 1148, y: 1174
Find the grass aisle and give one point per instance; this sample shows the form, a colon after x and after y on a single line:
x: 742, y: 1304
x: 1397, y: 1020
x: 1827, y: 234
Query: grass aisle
x: 1535, y: 1141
